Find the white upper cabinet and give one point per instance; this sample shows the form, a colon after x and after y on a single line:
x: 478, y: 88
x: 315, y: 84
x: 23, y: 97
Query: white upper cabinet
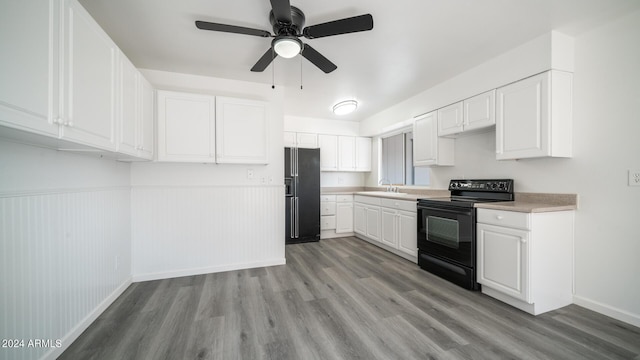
x: 428, y: 148
x: 242, y: 131
x: 471, y: 114
x: 479, y: 111
x: 145, y: 131
x: 300, y: 140
x: 346, y: 153
x: 186, y: 127
x: 534, y: 117
x: 28, y: 73
x: 450, y: 119
x: 307, y: 140
x: 363, y: 154
x: 328, y: 152
x: 129, y: 103
x: 88, y: 114
x: 135, y: 120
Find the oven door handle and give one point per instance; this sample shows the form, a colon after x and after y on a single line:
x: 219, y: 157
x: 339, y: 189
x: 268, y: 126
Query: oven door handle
x: 447, y: 210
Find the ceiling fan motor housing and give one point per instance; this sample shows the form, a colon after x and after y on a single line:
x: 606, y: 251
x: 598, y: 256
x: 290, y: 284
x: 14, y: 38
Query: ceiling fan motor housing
x: 292, y: 29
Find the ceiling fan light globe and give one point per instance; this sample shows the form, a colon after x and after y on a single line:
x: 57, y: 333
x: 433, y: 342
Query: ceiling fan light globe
x: 287, y: 47
x: 345, y: 107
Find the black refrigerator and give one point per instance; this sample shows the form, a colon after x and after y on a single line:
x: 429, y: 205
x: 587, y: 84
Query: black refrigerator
x: 302, y: 191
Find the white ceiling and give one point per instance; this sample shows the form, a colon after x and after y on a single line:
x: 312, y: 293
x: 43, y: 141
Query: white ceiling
x: 414, y: 44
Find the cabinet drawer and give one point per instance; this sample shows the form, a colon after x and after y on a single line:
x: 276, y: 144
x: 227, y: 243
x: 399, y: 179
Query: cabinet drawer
x: 327, y: 222
x: 512, y: 219
x: 327, y: 198
x: 344, y: 198
x: 327, y: 208
x: 367, y: 200
x: 399, y: 204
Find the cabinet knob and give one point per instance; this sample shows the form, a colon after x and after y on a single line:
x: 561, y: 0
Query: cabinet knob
x: 499, y: 217
x: 69, y: 123
x: 523, y: 241
x: 57, y: 121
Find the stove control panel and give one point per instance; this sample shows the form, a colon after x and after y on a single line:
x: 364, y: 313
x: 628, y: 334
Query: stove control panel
x: 504, y: 185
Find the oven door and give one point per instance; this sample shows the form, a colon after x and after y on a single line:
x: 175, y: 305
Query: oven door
x: 448, y: 233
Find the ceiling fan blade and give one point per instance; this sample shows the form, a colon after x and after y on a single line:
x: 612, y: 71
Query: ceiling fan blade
x: 281, y: 10
x: 203, y: 25
x: 318, y: 59
x: 264, y: 61
x: 337, y: 27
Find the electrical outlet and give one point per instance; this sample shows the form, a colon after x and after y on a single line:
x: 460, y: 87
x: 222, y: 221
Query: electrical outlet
x: 634, y: 177
x: 250, y: 174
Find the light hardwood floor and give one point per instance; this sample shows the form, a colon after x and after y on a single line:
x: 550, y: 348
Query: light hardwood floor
x: 339, y: 299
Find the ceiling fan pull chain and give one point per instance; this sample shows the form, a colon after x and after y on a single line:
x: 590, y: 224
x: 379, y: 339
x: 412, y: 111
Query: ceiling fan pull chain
x: 273, y: 70
x: 300, y: 72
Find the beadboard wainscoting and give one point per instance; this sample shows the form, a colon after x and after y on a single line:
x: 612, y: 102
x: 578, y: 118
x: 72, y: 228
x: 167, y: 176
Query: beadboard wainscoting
x: 189, y: 230
x: 64, y: 258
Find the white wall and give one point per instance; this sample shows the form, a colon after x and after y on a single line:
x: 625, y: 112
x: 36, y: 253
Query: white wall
x: 199, y: 218
x: 64, y: 243
x: 331, y: 127
x: 606, y: 130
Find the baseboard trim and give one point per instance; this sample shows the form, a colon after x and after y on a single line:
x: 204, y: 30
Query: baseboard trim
x: 206, y: 270
x: 618, y: 314
x: 72, y: 335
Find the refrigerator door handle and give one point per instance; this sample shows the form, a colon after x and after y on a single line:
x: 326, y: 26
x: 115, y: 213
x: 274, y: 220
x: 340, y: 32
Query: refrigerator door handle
x: 297, y: 218
x: 291, y: 152
x: 292, y: 215
x: 296, y: 161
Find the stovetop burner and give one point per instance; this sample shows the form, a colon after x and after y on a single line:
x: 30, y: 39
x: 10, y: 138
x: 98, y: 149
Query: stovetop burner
x: 465, y: 193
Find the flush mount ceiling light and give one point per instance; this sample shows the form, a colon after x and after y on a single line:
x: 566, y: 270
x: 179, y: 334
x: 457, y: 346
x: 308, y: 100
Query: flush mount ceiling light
x: 287, y: 46
x: 345, y: 107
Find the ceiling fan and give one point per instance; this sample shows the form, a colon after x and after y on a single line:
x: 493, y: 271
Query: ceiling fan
x: 288, y: 22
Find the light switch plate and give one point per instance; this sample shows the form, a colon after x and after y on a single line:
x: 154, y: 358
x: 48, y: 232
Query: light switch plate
x: 634, y: 177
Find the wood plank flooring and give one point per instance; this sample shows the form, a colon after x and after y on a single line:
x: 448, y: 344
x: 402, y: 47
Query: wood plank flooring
x: 339, y: 299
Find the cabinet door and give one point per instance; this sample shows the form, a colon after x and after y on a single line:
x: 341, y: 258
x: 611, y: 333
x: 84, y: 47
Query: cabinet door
x: 145, y: 130
x: 289, y: 139
x: 425, y: 135
x: 389, y: 231
x: 128, y: 108
x: 363, y: 154
x: 307, y: 140
x: 360, y: 219
x: 328, y: 152
x: 373, y: 223
x: 346, y: 153
x: 90, y: 79
x: 28, y: 74
x: 450, y: 119
x: 186, y: 129
x: 503, y: 260
x: 408, y: 232
x: 522, y: 119
x: 479, y: 111
x: 242, y: 131
x: 344, y: 217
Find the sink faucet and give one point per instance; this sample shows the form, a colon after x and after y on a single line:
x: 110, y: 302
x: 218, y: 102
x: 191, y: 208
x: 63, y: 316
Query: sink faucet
x: 383, y: 180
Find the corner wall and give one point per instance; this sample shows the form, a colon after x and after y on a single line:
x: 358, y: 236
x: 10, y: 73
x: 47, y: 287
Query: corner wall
x: 64, y: 244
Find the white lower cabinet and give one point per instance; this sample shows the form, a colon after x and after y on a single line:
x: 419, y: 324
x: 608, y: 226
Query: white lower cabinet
x: 336, y: 216
x: 344, y: 217
x: 390, y: 222
x: 525, y: 259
